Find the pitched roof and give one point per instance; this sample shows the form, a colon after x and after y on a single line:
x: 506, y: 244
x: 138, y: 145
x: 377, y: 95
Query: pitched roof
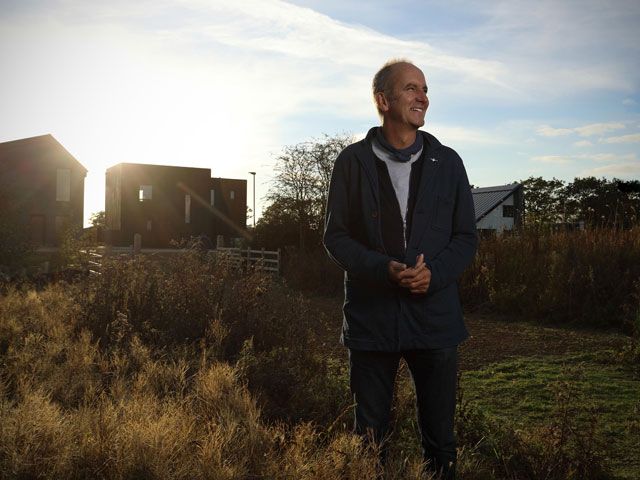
x: 40, y: 148
x: 485, y: 199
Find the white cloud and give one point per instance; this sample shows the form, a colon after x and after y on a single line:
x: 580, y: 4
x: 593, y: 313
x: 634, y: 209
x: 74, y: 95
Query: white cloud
x: 584, y: 131
x: 598, y: 128
x: 582, y: 46
x: 454, y: 135
x: 606, y: 157
x: 547, y: 131
x: 629, y: 102
x: 631, y: 138
x: 583, y: 143
x: 588, y: 157
x: 292, y: 55
x: 278, y: 28
x: 555, y: 159
x: 620, y: 170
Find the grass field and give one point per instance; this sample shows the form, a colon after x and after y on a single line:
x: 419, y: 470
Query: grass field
x: 516, y: 373
x: 524, y: 391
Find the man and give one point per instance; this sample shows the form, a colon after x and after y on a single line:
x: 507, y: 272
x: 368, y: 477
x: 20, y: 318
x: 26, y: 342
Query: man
x: 400, y: 222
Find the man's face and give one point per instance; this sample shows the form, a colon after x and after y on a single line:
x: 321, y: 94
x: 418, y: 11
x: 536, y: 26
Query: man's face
x: 407, y: 103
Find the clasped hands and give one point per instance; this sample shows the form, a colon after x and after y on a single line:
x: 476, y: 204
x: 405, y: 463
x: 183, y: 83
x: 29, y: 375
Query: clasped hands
x: 416, y: 278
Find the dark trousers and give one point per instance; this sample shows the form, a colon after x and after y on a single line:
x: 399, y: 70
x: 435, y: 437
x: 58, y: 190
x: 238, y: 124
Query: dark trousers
x: 434, y: 374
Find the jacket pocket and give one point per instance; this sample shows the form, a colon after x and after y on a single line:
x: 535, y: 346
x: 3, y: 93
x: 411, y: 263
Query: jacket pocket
x: 443, y: 219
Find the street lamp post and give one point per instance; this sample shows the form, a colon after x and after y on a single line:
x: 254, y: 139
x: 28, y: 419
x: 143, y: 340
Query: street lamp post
x: 254, y: 199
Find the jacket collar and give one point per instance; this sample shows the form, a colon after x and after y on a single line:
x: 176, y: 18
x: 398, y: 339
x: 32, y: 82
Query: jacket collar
x: 368, y: 161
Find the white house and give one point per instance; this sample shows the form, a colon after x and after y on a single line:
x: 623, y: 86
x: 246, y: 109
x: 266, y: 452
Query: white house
x: 498, y: 208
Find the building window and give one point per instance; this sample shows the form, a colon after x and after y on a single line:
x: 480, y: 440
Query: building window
x: 212, y: 198
x: 187, y: 208
x: 232, y: 195
x: 63, y: 185
x: 145, y: 192
x: 508, y: 211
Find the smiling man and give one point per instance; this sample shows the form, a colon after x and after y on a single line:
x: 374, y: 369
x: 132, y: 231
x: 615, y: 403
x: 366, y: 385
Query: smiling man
x: 400, y: 222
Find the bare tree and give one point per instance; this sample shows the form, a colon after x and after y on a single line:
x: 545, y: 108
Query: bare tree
x: 301, y: 183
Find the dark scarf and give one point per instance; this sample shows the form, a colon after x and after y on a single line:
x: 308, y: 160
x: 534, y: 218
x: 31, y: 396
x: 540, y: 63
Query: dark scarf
x: 401, y: 155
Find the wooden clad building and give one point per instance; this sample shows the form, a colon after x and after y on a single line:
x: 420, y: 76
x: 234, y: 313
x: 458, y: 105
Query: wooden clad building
x: 42, y: 186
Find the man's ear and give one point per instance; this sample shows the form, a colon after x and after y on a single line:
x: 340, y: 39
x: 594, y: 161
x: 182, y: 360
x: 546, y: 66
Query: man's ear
x: 381, y: 102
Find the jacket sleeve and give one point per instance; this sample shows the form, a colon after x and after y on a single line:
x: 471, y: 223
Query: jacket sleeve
x: 448, y: 265
x: 358, y: 260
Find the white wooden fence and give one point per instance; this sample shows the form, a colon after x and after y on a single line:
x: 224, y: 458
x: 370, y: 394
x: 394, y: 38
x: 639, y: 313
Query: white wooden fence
x: 94, y: 261
x: 266, y: 260
x: 242, y: 258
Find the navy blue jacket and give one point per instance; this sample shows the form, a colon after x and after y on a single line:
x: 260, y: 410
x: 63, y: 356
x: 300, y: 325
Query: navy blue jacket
x: 378, y: 315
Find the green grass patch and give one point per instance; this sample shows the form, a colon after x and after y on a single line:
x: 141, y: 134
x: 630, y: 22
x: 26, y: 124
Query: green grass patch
x: 523, y: 393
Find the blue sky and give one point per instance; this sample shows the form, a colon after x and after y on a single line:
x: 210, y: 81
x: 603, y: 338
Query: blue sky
x: 548, y: 88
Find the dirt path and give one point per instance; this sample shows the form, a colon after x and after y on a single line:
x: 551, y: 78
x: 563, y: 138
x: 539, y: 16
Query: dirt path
x: 495, y: 338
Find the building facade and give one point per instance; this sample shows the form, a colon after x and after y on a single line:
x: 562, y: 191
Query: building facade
x: 42, y: 186
x: 228, y: 199
x: 167, y: 203
x: 498, y: 208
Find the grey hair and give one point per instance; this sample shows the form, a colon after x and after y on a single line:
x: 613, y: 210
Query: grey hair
x: 381, y: 80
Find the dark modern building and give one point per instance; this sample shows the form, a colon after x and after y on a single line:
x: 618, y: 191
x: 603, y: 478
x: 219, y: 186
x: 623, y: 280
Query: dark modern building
x: 228, y: 197
x: 42, y: 186
x: 165, y: 203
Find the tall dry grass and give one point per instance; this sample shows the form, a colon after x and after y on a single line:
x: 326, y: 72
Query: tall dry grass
x: 249, y: 319
x: 184, y: 369
x: 70, y: 408
x: 589, y: 277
